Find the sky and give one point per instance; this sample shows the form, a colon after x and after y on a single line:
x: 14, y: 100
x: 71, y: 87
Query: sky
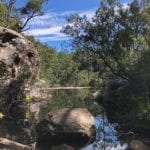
x: 47, y: 28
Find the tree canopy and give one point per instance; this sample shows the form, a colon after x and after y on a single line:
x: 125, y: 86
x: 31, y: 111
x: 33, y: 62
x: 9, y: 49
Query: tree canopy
x: 17, y: 18
x: 113, y: 37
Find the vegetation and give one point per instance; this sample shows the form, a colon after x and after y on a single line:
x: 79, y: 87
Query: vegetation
x: 113, y: 39
x: 62, y: 69
x: 12, y: 17
x: 116, y: 40
x: 114, y: 44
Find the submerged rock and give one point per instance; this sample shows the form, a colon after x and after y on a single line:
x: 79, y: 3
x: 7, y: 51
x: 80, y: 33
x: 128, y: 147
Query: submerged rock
x: 74, y: 127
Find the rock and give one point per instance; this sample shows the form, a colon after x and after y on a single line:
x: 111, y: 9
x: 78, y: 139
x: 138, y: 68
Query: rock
x: 16, y: 54
x: 74, y: 127
x: 137, y: 145
x: 19, y: 66
x: 63, y: 147
x: 38, y: 100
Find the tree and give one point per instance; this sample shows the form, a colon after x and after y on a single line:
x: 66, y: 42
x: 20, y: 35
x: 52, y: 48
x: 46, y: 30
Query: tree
x: 33, y: 8
x: 2, y: 14
x: 113, y: 37
x: 12, y: 17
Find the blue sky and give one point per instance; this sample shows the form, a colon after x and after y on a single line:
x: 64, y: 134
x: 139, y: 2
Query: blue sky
x: 47, y: 28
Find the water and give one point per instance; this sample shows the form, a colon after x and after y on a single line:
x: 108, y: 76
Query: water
x: 73, y: 99
x: 107, y: 136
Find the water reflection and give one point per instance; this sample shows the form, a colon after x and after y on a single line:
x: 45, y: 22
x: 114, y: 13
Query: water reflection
x: 107, y: 136
x: 72, y: 99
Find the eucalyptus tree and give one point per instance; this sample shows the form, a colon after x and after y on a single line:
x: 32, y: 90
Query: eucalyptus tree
x: 17, y: 17
x: 112, y: 39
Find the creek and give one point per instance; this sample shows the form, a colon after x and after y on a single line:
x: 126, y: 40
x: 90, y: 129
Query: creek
x: 107, y: 136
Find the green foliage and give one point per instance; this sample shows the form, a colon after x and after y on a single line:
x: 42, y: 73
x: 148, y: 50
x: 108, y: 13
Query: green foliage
x: 111, y: 39
x: 28, y: 99
x: 8, y: 15
x: 32, y: 5
x: 60, y: 68
x: 2, y: 14
x: 11, y: 17
x: 116, y: 44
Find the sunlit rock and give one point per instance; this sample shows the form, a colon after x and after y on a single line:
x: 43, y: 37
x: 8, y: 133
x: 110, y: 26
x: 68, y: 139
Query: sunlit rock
x: 19, y: 66
x: 74, y: 127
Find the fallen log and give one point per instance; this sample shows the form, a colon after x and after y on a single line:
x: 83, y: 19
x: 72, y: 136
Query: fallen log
x: 6, y: 143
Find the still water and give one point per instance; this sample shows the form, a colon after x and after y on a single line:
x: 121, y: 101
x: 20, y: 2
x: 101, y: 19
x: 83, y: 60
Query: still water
x: 107, y: 136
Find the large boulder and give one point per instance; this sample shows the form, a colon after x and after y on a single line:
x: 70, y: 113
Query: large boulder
x: 19, y: 65
x: 74, y: 127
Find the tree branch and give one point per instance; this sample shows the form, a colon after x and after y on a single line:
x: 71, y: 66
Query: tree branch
x: 28, y: 19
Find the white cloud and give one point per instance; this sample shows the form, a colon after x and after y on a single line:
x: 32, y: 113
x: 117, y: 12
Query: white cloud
x: 44, y: 31
x: 47, y: 27
x: 55, y: 38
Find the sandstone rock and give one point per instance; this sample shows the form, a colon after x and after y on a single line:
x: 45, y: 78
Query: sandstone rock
x: 19, y: 65
x: 16, y: 53
x: 39, y: 99
x: 74, y: 127
x: 137, y: 145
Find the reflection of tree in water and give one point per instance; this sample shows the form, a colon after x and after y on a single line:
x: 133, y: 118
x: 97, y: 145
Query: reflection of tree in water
x: 106, y: 134
x: 72, y: 99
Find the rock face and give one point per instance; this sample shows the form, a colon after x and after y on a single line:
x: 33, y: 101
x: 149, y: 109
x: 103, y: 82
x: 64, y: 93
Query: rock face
x: 19, y: 65
x: 39, y: 100
x: 74, y: 127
